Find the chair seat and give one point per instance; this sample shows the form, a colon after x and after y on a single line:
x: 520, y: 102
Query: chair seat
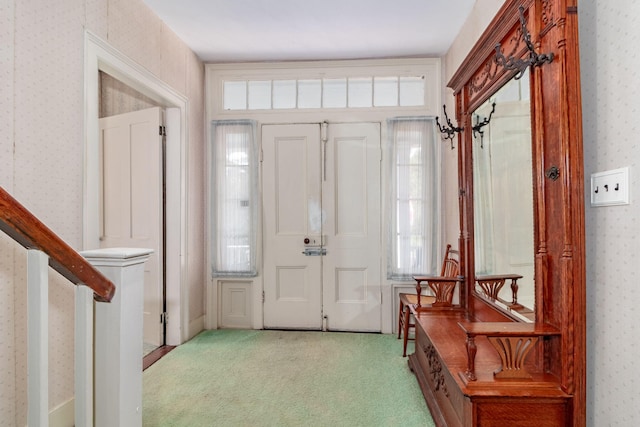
x: 441, y: 286
x: 409, y: 298
x: 404, y: 316
x: 412, y: 299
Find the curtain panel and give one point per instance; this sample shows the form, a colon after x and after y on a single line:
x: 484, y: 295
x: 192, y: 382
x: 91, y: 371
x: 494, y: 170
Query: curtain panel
x: 413, y: 197
x: 234, y: 198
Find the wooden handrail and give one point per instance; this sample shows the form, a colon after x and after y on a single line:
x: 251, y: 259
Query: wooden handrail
x: 21, y: 225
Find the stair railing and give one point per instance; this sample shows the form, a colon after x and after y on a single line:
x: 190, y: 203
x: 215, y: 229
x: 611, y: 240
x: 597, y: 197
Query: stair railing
x: 108, y: 352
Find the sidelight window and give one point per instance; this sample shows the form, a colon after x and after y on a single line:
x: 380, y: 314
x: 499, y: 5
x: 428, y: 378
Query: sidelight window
x: 234, y: 197
x: 413, y: 193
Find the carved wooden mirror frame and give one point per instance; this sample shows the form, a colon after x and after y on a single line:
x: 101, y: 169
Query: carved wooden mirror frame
x: 559, y: 237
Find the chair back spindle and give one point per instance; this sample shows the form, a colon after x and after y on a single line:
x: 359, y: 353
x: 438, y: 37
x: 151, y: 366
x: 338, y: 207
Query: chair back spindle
x: 450, y: 265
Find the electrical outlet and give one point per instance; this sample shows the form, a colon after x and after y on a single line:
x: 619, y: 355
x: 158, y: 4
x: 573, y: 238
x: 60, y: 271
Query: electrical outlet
x: 610, y: 188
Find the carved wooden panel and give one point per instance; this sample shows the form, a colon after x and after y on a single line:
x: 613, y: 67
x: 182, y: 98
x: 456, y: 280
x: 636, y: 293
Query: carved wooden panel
x: 435, y: 368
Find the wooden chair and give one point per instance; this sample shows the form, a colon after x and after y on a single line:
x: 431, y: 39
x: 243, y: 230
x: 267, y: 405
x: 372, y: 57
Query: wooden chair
x: 442, y: 287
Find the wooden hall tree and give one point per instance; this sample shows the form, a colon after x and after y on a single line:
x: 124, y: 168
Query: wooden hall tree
x: 468, y: 389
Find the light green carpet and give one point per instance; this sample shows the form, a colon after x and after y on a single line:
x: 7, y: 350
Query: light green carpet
x: 284, y: 378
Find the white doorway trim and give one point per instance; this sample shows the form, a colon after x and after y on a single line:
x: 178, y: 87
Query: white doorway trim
x: 100, y: 56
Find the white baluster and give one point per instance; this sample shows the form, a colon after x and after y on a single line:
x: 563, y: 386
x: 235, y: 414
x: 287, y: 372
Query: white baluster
x: 38, y: 338
x: 83, y: 402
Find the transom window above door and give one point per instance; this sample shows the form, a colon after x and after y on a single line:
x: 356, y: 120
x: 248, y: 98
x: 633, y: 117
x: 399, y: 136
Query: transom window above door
x: 351, y: 92
x: 408, y: 85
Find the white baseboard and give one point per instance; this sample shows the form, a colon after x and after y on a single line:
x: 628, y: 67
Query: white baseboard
x: 63, y: 415
x: 196, y: 326
x: 211, y: 320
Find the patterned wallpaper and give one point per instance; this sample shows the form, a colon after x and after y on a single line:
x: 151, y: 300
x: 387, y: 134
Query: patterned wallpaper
x: 42, y: 158
x: 609, y: 36
x: 7, y: 329
x: 7, y: 322
x: 47, y: 104
x: 6, y: 95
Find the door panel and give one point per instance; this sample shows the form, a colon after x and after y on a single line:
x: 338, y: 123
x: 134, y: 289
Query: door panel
x: 132, y: 203
x: 116, y: 176
x: 351, y: 194
x: 291, y: 199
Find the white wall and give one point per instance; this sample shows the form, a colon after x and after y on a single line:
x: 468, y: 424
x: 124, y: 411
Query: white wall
x: 42, y: 158
x: 609, y: 36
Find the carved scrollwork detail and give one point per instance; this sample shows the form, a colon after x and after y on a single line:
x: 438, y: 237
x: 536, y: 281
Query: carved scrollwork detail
x: 547, y: 12
x: 513, y: 352
x: 435, y: 368
x: 491, y: 288
x: 490, y: 69
x: 487, y: 74
x: 518, y: 64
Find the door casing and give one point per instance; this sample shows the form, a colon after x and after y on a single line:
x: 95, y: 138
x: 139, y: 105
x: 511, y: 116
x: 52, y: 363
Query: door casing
x: 100, y: 56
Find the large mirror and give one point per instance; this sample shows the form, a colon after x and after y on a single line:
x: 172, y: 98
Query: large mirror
x: 503, y: 199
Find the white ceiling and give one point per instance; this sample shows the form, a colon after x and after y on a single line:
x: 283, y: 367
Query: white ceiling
x: 283, y: 30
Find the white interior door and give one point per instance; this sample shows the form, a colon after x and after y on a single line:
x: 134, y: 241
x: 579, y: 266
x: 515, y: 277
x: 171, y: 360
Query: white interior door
x: 132, y: 203
x: 328, y: 193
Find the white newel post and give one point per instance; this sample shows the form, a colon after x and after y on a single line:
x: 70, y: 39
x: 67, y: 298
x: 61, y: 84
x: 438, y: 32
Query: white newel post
x: 118, y: 338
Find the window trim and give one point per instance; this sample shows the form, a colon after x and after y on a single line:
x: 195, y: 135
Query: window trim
x: 431, y: 230
x: 217, y: 74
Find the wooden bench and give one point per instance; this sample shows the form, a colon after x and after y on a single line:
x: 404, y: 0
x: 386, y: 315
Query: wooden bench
x: 442, y: 363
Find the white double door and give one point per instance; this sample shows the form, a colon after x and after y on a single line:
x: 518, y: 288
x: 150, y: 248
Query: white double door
x: 324, y: 186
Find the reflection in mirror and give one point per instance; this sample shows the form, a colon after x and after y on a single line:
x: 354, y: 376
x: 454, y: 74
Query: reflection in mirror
x: 503, y: 198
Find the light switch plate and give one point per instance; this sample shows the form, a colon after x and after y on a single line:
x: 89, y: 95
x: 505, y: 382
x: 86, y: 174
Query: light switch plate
x: 610, y: 188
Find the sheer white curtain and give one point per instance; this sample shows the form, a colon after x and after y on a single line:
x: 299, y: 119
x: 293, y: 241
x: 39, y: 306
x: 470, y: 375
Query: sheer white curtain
x: 413, y: 225
x: 234, y: 198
